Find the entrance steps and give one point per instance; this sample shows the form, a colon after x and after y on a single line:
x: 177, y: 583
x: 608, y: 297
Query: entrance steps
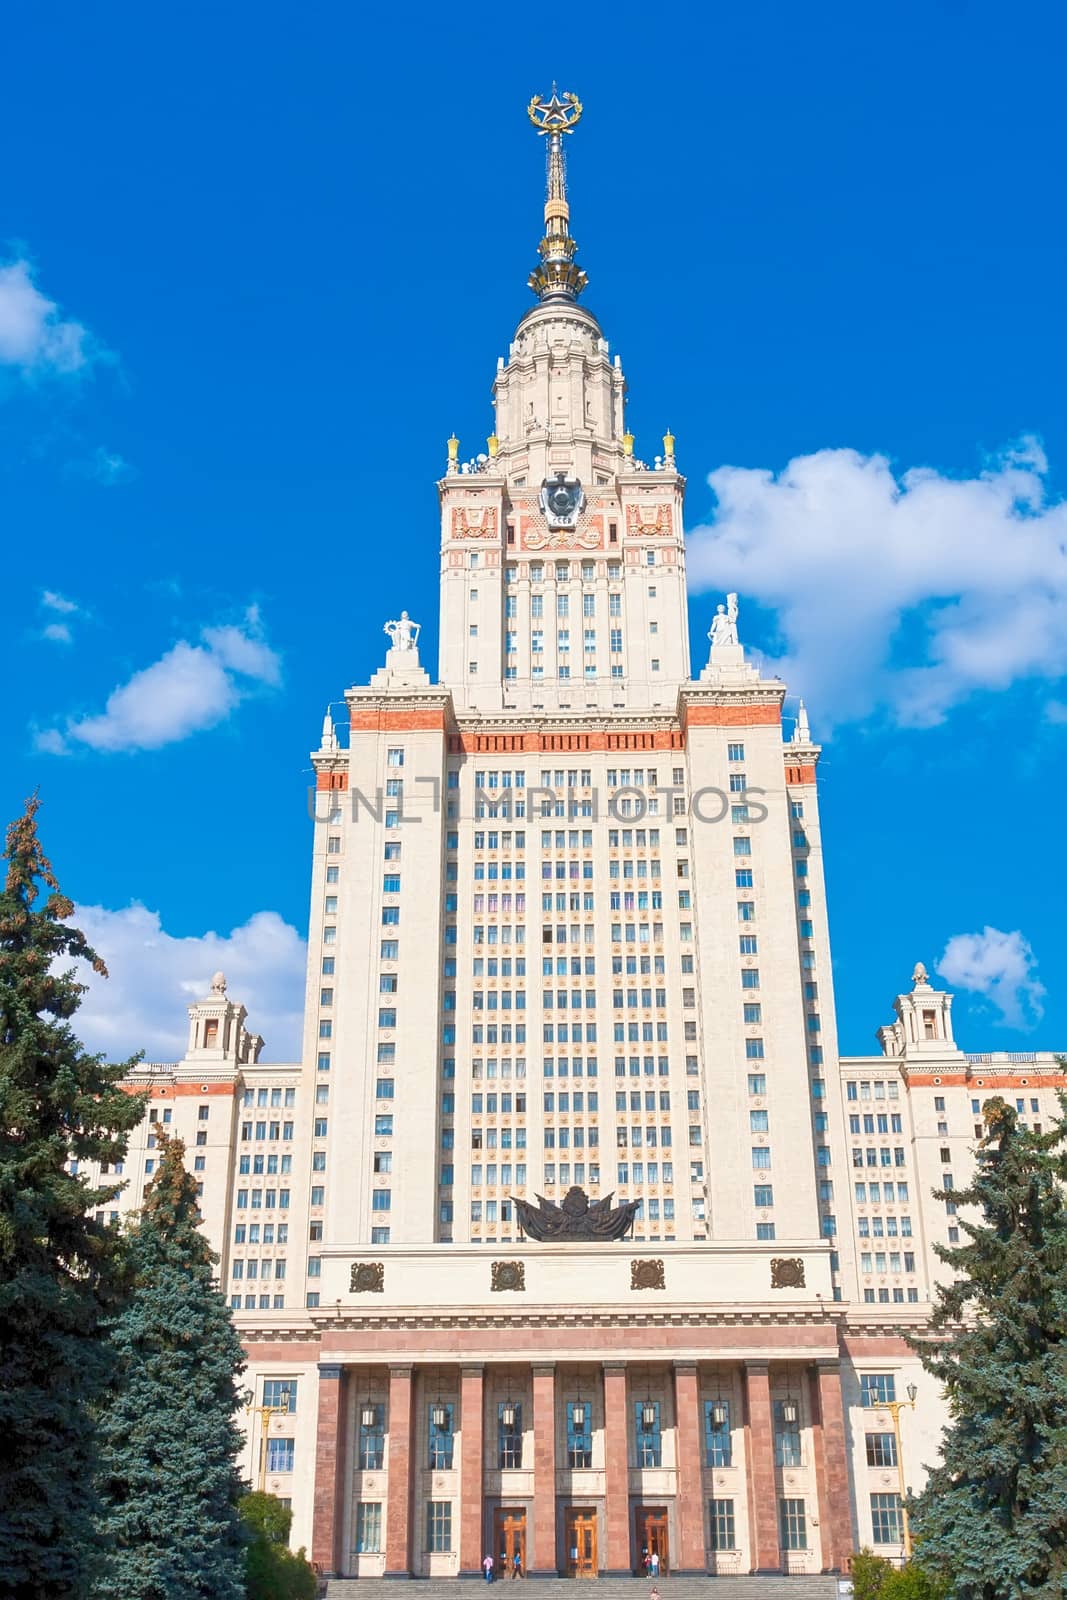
x: 709, y: 1588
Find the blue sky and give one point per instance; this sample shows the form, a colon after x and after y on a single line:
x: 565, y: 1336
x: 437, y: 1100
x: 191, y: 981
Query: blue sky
x: 256, y: 262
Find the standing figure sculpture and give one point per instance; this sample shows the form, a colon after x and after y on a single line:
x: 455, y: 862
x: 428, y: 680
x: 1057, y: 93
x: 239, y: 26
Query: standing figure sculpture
x: 403, y: 634
x: 723, y: 628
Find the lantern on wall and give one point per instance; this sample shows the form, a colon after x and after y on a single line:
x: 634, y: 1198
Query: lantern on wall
x: 790, y: 1412
x: 719, y: 1414
x: 368, y: 1415
x: 507, y: 1414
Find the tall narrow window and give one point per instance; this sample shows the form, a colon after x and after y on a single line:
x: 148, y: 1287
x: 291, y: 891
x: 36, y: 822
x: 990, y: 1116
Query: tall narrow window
x: 509, y: 1434
x: 441, y: 1436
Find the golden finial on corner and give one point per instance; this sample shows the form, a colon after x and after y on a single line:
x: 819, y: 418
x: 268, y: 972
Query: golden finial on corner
x: 453, y: 452
x: 493, y: 443
x: 668, y: 445
x: 627, y: 444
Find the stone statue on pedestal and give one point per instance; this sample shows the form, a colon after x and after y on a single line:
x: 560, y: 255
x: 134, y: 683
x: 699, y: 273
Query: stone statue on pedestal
x: 403, y: 633
x: 723, y: 628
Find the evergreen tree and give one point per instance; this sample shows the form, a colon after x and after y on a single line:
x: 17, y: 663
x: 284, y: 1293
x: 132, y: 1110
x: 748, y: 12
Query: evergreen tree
x: 993, y: 1515
x: 169, y: 1439
x: 61, y: 1269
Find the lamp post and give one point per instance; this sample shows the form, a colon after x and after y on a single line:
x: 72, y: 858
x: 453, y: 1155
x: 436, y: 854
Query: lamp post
x: 264, y: 1413
x: 894, y: 1407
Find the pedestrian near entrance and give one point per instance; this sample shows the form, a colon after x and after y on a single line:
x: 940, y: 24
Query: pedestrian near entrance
x: 487, y: 1568
x: 516, y: 1565
x: 653, y: 1563
x: 654, y: 1593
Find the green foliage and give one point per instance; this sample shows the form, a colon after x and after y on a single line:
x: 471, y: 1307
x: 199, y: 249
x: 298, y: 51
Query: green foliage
x: 272, y: 1571
x: 992, y: 1519
x: 168, y: 1481
x: 875, y: 1578
x: 868, y: 1574
x: 61, y: 1270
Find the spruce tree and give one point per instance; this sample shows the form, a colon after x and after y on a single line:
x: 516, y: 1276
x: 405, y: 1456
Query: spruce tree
x: 169, y: 1439
x: 61, y: 1270
x: 993, y: 1515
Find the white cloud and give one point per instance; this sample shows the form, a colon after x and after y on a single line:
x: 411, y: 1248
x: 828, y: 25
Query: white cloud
x: 192, y: 687
x: 108, y: 467
x: 33, y: 335
x: 50, y: 742
x: 910, y: 591
x: 1000, y: 966
x: 58, y: 633
x: 154, y: 976
x: 58, y: 602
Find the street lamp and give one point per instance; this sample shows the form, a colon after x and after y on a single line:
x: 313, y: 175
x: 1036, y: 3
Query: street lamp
x: 264, y: 1413
x: 894, y: 1407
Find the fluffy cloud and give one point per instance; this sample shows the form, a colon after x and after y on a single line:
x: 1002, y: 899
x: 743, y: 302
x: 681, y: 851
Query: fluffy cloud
x: 58, y: 632
x: 192, y: 687
x: 154, y: 976
x: 1000, y: 966
x: 107, y: 467
x: 907, y: 591
x: 34, y: 337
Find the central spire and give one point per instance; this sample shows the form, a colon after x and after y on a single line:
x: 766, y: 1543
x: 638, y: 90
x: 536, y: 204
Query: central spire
x: 557, y: 278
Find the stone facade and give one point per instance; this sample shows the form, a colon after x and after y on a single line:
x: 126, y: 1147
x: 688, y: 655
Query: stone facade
x: 569, y: 928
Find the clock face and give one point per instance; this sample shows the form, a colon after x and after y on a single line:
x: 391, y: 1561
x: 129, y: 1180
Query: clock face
x: 562, y: 500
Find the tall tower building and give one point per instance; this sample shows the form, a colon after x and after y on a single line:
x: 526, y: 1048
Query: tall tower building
x: 571, y: 1237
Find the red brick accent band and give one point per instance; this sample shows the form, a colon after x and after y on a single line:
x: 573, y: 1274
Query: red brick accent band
x: 616, y: 1473
x: 985, y: 1077
x: 762, y: 1495
x: 331, y: 780
x: 759, y: 713
x: 401, y: 1477
x: 327, y: 1526
x: 382, y: 719
x: 471, y: 1446
x: 800, y: 775
x: 690, y: 1500
x: 500, y: 1341
x: 575, y: 743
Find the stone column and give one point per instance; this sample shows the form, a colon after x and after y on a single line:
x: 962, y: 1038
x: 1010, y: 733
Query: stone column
x: 542, y: 1561
x: 762, y: 1491
x: 831, y: 1467
x: 472, y: 1444
x: 327, y: 1528
x: 400, y: 1473
x: 616, y: 1558
x: 691, y: 1559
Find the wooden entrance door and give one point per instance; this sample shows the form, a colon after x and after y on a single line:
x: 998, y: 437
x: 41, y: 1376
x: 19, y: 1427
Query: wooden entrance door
x: 510, y: 1527
x: 650, y: 1528
x: 581, y: 1542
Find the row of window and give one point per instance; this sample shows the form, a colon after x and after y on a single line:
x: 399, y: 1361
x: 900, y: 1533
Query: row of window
x: 722, y: 1527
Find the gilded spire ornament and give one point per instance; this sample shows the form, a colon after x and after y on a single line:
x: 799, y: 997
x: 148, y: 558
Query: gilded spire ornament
x: 557, y: 277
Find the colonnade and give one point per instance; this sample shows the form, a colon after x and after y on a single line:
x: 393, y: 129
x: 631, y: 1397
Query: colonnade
x: 550, y: 1500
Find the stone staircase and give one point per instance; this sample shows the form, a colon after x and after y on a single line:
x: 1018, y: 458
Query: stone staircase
x: 746, y: 1588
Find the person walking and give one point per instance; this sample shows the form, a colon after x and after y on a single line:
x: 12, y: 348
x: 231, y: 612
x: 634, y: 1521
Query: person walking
x: 516, y: 1564
x: 653, y: 1563
x: 487, y: 1568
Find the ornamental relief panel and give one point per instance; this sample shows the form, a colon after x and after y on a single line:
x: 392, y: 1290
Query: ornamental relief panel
x: 787, y: 1272
x: 469, y: 523
x: 643, y: 522
x: 508, y: 1275
x: 647, y: 1275
x: 368, y: 1277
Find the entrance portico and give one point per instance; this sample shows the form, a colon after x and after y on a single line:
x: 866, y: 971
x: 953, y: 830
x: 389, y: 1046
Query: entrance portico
x: 724, y: 1466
